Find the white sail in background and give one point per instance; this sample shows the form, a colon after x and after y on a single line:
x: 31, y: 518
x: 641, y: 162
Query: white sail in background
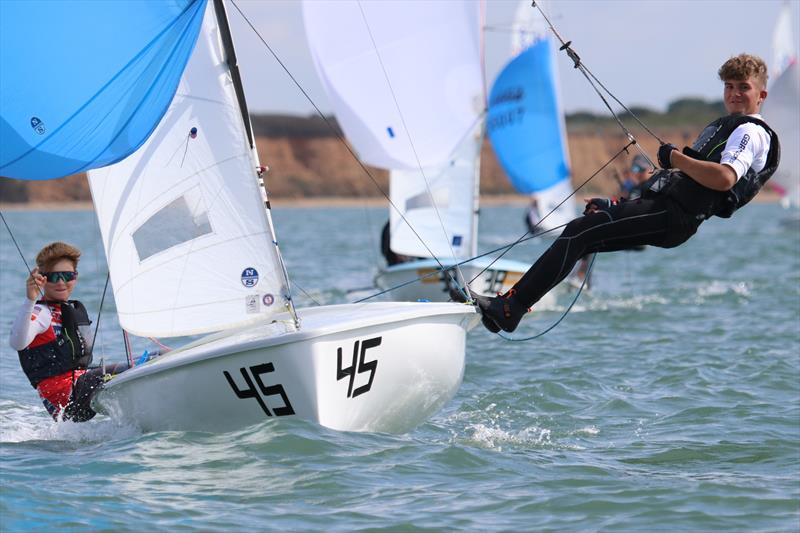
x: 781, y: 109
x: 369, y: 56
x: 784, y: 47
x: 528, y: 27
x: 419, y: 119
x: 453, y: 187
x: 186, y: 235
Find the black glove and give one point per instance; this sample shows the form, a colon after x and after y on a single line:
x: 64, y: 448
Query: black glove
x: 664, y: 152
x: 600, y: 204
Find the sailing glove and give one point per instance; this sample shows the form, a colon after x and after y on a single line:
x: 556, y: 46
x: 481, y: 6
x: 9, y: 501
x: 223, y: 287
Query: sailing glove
x: 664, y: 152
x: 600, y: 204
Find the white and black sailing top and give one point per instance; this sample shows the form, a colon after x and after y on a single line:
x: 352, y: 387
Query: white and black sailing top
x: 746, y: 144
x: 747, y: 147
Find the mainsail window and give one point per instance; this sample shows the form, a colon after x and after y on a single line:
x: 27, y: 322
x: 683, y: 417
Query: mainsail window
x: 182, y: 220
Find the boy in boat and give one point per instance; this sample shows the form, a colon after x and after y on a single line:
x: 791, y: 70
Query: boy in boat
x: 723, y: 170
x: 52, y: 337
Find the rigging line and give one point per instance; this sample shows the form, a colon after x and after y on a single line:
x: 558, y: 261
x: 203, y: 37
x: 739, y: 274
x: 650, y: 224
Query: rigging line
x: 563, y: 315
x: 333, y: 130
x: 295, y: 284
x: 14, y: 240
x: 465, y: 261
x: 97, y: 325
x: 566, y: 46
x: 570, y: 195
x: 410, y: 140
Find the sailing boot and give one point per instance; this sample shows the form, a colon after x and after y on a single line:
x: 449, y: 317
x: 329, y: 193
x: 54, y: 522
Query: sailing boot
x: 501, y: 312
x: 497, y: 312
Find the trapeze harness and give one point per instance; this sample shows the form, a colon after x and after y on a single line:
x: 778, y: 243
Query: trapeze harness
x: 53, y: 362
x: 700, y: 201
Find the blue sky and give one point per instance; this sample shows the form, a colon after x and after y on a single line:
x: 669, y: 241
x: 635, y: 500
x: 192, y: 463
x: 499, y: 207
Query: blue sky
x: 648, y: 52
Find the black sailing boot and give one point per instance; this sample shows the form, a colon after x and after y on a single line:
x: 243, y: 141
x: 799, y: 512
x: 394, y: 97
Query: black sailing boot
x: 497, y: 312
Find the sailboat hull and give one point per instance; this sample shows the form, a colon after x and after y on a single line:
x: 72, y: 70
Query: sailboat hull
x: 434, y: 285
x: 374, y: 367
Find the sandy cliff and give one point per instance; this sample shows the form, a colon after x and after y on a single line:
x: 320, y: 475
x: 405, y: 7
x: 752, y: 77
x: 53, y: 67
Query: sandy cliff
x: 314, y: 167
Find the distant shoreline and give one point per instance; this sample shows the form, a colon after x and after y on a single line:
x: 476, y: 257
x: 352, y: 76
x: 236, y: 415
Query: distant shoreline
x: 295, y: 203
x: 277, y: 203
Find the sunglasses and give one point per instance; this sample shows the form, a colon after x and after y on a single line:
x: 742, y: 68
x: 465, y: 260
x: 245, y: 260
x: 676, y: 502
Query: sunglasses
x: 55, y: 277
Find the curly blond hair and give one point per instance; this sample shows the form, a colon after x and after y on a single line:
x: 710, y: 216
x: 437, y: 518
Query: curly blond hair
x: 54, y: 252
x: 742, y: 67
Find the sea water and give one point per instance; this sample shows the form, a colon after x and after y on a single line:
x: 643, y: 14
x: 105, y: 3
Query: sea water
x: 667, y: 399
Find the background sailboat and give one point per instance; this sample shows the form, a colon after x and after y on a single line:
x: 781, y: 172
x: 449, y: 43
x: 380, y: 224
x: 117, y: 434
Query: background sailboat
x: 407, y: 88
x: 782, y: 108
x: 526, y: 120
x: 191, y: 249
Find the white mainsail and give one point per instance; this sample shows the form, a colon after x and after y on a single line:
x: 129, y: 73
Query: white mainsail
x: 453, y: 187
x: 782, y: 107
x: 189, y: 245
x: 405, y: 80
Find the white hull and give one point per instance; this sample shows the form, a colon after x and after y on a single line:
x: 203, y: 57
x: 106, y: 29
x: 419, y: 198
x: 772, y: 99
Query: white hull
x: 371, y: 367
x: 435, y: 286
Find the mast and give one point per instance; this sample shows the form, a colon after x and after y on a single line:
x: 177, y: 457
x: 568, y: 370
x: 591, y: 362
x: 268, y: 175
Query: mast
x: 233, y: 67
x: 476, y: 184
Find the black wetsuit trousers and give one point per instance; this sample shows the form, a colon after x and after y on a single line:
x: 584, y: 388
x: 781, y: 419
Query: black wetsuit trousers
x: 79, y: 407
x: 656, y: 221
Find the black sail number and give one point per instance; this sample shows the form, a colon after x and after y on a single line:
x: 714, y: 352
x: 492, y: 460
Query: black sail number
x: 494, y: 280
x: 263, y: 391
x: 358, y: 366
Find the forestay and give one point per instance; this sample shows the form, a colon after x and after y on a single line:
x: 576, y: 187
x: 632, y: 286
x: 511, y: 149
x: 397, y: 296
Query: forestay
x: 111, y: 71
x: 189, y: 245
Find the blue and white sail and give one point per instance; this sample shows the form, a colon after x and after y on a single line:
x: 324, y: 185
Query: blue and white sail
x: 782, y: 107
x: 405, y: 81
x: 84, y: 83
x: 526, y: 120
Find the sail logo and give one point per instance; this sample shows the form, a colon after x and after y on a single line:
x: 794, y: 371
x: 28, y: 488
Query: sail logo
x: 512, y: 94
x: 251, y: 303
x: 260, y: 394
x: 37, y: 125
x: 249, y: 277
x: 359, y: 365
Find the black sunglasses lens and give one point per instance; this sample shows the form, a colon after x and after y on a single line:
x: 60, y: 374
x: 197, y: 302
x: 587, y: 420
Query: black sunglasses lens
x: 55, y: 277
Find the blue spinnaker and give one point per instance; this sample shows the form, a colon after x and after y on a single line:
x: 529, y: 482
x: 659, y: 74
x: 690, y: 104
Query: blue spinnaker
x: 84, y: 83
x: 524, y: 121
